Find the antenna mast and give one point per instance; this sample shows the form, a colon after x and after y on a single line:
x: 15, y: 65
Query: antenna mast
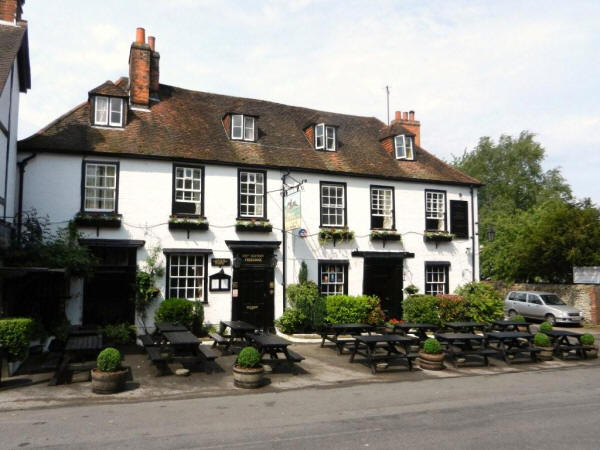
x: 387, y: 92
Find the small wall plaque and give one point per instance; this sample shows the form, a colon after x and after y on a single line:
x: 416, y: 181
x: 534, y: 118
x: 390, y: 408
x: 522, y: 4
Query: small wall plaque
x: 220, y: 262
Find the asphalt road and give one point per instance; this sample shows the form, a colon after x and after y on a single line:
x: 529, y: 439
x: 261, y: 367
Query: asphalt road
x: 547, y: 409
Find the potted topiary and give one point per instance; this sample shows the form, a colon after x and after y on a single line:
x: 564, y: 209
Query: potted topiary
x: 542, y: 341
x: 545, y: 327
x: 248, y: 371
x: 588, y: 340
x: 109, y: 377
x: 432, y: 356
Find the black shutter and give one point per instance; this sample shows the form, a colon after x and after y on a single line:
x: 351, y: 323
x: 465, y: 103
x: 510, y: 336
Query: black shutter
x: 459, y: 218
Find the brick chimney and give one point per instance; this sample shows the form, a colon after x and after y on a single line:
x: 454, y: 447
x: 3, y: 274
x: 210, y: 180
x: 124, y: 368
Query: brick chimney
x: 407, y: 120
x: 11, y: 10
x: 154, y: 69
x: 139, y: 70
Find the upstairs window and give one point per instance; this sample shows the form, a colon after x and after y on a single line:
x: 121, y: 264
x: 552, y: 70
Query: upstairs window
x: 100, y: 187
x: 187, y: 190
x: 404, y: 147
x: 435, y: 211
x: 325, y: 137
x: 459, y: 218
x: 333, y: 205
x: 108, y: 111
x: 252, y: 194
x: 382, y: 208
x: 242, y: 127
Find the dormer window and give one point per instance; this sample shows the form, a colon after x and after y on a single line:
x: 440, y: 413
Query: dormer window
x: 404, y: 147
x: 108, y: 111
x: 242, y: 127
x: 325, y: 137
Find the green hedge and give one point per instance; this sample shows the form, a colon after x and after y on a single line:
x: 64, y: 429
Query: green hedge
x: 484, y: 303
x: 306, y: 299
x: 15, y: 334
x: 350, y: 309
x: 179, y: 310
x: 291, y: 321
x: 421, y: 309
x: 121, y: 334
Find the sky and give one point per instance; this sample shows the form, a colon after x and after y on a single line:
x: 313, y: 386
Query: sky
x: 467, y: 68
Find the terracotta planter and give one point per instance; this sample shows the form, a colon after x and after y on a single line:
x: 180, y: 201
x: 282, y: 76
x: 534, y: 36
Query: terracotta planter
x: 546, y: 353
x: 248, y: 378
x: 431, y: 361
x: 108, y: 382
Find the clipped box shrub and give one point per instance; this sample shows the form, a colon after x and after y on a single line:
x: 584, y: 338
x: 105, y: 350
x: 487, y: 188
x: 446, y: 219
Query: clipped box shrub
x: 15, y: 334
x: 349, y: 309
x: 179, y: 310
x: 545, y: 326
x: 109, y: 360
x: 587, y: 339
x: 541, y: 340
x: 421, y: 309
x: 432, y: 346
x: 248, y: 358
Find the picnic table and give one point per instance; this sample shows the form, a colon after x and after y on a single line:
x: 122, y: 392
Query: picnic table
x: 273, y: 345
x: 332, y: 332
x: 512, y: 343
x: 418, y: 329
x: 460, y: 345
x: 163, y: 327
x: 238, y: 329
x: 78, y: 348
x: 392, y: 348
x: 465, y: 327
x: 567, y: 342
x: 510, y: 325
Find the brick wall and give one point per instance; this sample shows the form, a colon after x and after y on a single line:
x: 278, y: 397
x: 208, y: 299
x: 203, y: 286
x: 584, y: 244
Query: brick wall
x: 309, y: 132
x: 388, y: 145
x: 585, y: 297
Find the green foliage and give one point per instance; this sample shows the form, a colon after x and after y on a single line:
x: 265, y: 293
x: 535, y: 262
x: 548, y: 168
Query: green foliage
x: 421, y: 309
x: 411, y: 289
x: 291, y: 321
x: 452, y: 308
x: 541, y: 340
x: 179, y: 310
x: 376, y: 317
x: 483, y: 302
x: 518, y: 318
x: 15, y: 334
x: 42, y: 247
x: 248, y: 358
x: 306, y: 299
x: 121, y: 334
x: 587, y: 339
x: 349, y: 309
x: 109, y: 360
x: 145, y: 283
x: 303, y: 273
x: 545, y: 327
x: 432, y: 346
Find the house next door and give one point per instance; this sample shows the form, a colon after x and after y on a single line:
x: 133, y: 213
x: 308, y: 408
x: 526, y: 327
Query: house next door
x: 383, y: 278
x: 253, y: 289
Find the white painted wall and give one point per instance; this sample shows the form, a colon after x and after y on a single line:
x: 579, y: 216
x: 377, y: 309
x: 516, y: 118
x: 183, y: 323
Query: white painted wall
x: 52, y: 186
x: 9, y: 116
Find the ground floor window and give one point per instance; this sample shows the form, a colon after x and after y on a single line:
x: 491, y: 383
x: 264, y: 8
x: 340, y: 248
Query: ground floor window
x: 436, y: 278
x: 186, y: 276
x: 333, y: 278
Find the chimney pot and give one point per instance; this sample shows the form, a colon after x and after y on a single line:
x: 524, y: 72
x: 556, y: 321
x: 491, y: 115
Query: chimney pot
x: 140, y: 36
x: 397, y: 115
x: 151, y: 42
x: 411, y: 115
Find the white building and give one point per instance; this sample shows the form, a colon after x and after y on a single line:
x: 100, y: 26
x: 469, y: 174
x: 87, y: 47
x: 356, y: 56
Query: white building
x: 142, y: 165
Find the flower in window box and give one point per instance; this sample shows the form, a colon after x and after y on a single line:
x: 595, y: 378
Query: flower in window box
x: 187, y: 223
x: 257, y: 225
x: 106, y: 220
x: 381, y: 235
x: 438, y: 236
x: 335, y: 235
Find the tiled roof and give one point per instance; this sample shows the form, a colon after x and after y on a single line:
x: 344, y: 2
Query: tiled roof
x: 188, y: 125
x: 393, y: 130
x: 111, y: 89
x: 11, y: 38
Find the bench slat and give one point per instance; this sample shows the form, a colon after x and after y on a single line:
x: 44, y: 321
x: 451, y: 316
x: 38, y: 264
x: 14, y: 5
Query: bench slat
x: 206, y: 352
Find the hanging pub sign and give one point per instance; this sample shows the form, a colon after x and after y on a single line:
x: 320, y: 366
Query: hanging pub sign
x: 292, y: 211
x: 220, y: 262
x: 219, y: 282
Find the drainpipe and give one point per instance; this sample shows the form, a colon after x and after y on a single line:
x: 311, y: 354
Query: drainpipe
x: 473, y: 236
x: 284, y: 236
x: 10, y: 104
x: 21, y: 165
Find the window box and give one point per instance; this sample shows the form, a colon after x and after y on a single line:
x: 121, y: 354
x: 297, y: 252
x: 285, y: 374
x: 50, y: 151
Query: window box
x: 188, y: 223
x: 104, y: 220
x: 258, y: 226
x: 335, y: 235
x: 438, y: 236
x: 385, y: 236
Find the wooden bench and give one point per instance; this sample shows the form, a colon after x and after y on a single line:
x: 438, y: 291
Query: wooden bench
x: 294, y: 357
x: 483, y: 352
x: 219, y: 339
x: 157, y: 359
x: 579, y: 349
x: 147, y: 340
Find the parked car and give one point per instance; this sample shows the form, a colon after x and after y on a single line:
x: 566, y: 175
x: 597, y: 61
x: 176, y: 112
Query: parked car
x: 541, y: 305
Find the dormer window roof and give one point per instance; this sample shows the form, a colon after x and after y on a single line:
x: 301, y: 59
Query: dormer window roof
x: 243, y: 127
x: 403, y: 146
x: 325, y: 137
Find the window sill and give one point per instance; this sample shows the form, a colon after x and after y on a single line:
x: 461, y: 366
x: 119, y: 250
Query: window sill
x: 100, y: 220
x: 188, y: 223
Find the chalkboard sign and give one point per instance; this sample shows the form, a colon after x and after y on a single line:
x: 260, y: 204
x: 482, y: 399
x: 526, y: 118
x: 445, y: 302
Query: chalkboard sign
x: 219, y: 282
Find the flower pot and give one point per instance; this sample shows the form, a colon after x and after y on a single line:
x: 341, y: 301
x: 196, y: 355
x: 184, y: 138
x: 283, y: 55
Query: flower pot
x: 431, y: 361
x: 108, y: 382
x: 546, y: 353
x: 248, y: 378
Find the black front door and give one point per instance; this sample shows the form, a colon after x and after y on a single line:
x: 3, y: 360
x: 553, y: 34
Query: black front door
x: 253, y: 291
x: 383, y: 278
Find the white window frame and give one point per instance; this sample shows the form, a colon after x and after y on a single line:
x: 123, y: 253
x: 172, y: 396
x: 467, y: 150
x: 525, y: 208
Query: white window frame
x: 436, y: 279
x: 252, y: 179
x: 249, y: 128
x: 245, y: 129
x: 189, y: 176
x: 330, y: 138
x: 106, y: 103
x: 379, y: 204
x: 109, y: 103
x: 98, y: 187
x: 337, y: 209
x: 435, y: 208
x: 116, y: 101
x: 185, y: 276
x: 403, y: 146
x: 320, y: 134
x: 339, y: 273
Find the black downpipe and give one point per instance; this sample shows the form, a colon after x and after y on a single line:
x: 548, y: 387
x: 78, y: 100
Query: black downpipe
x: 284, y: 237
x: 473, y: 236
x: 21, y: 165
